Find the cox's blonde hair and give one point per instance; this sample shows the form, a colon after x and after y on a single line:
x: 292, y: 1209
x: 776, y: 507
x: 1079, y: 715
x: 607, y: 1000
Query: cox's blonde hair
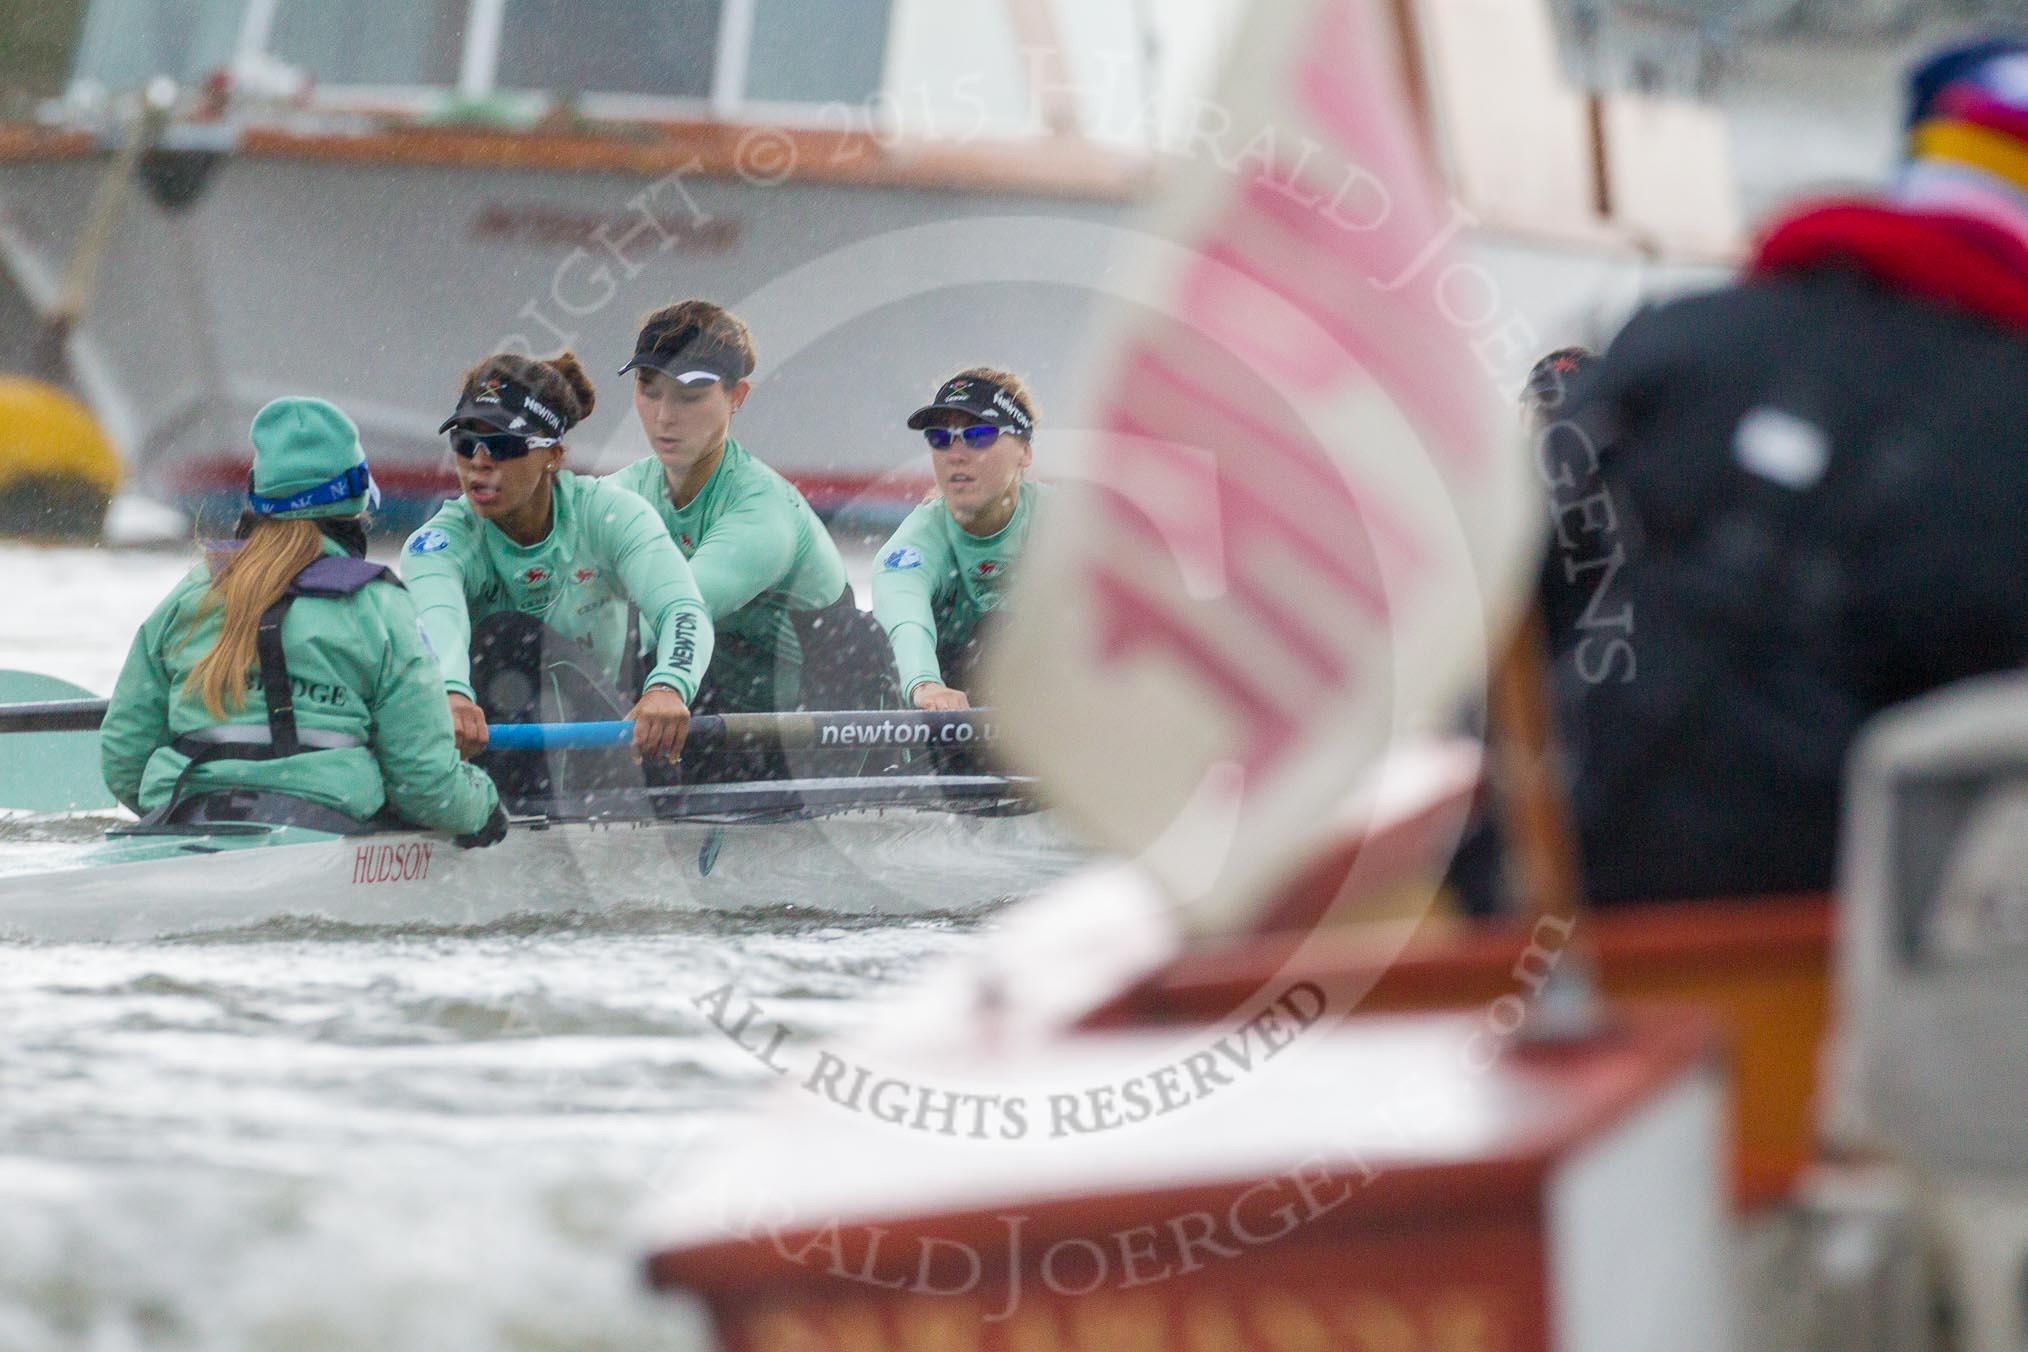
x: 246, y: 582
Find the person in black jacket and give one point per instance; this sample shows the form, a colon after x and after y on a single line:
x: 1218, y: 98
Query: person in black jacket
x: 1817, y: 497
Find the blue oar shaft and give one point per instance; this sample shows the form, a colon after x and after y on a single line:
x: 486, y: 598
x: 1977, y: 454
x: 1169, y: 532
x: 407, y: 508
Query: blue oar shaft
x: 557, y: 736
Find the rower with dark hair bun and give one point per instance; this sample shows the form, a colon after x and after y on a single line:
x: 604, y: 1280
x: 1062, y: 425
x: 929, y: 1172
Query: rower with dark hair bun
x: 542, y: 590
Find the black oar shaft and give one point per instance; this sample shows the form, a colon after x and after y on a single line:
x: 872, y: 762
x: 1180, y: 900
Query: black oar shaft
x: 53, y: 715
x: 873, y: 728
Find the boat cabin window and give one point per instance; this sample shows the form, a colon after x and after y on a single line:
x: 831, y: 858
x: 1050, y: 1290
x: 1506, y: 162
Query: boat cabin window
x: 817, y: 51
x: 768, y: 51
x: 126, y: 43
x: 367, y: 42
x: 633, y: 55
x: 660, y: 48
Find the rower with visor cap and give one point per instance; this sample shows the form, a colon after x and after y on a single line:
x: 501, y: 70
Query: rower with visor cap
x: 790, y: 634
x: 945, y: 571
x: 550, y: 596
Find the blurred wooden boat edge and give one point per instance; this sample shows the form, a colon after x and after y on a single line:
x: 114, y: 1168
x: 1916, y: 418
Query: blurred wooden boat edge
x: 1761, y: 966
x: 1480, y: 1233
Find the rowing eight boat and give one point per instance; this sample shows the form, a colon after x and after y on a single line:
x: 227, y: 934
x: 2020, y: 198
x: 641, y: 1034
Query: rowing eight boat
x: 872, y: 843
x: 897, y: 845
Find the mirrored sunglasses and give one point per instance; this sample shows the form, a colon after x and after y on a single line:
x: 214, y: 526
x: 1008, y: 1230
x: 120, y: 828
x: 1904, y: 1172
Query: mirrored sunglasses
x: 978, y: 436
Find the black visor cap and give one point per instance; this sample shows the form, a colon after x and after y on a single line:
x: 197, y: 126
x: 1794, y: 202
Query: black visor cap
x: 687, y: 355
x: 975, y: 398
x: 508, y: 406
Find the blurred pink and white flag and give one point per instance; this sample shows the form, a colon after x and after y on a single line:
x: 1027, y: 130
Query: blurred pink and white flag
x: 1304, y: 509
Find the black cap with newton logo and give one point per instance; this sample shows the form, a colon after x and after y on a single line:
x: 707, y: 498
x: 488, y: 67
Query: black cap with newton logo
x: 976, y: 397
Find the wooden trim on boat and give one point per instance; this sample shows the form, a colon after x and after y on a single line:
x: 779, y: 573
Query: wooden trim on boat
x: 1529, y: 779
x: 20, y: 143
x: 1448, y: 968
x: 1039, y: 42
x: 1398, y: 1199
x: 1064, y: 168
x: 1415, y: 74
x: 1482, y: 1284
x: 1761, y: 965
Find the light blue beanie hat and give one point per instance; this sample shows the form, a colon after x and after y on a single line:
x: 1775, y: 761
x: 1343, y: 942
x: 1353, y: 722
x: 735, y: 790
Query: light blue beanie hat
x: 307, y: 463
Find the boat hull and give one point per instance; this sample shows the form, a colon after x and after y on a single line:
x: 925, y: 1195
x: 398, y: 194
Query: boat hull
x: 472, y: 247
x: 889, y: 860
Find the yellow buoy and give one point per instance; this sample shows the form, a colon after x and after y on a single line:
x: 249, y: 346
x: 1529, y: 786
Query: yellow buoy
x: 58, y: 472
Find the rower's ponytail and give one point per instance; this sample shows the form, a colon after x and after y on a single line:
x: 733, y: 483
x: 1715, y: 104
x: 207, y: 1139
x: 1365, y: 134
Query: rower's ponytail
x: 246, y: 582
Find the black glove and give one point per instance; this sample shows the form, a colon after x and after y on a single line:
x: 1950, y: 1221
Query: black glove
x: 492, y: 833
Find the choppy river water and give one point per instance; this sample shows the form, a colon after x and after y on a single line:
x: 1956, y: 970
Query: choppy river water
x: 306, y: 1137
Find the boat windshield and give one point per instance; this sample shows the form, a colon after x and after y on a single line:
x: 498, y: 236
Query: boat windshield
x: 654, y: 47
x: 726, y: 52
x: 126, y: 43
x: 369, y: 42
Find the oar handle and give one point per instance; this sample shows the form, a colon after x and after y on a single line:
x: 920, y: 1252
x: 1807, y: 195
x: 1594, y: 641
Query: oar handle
x: 791, y: 732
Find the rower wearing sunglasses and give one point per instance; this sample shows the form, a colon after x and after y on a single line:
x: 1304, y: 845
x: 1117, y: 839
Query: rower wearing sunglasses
x: 946, y: 569
x: 540, y: 589
x: 788, y: 631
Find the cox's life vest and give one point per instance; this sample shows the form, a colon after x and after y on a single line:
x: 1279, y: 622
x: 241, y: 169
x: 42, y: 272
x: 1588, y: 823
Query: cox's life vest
x: 330, y: 576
